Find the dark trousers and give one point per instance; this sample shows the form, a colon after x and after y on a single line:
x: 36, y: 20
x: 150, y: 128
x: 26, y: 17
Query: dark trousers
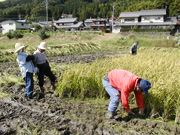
x: 44, y: 69
x: 29, y: 82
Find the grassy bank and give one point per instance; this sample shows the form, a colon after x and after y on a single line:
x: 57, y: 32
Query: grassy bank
x: 159, y: 65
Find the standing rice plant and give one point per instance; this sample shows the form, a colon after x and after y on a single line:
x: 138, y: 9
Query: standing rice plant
x: 160, y: 66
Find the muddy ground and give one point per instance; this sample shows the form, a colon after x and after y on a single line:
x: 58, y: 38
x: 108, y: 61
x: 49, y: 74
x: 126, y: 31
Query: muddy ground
x: 50, y: 115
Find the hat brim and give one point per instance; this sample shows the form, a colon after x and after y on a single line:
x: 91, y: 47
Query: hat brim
x: 40, y: 47
x: 21, y: 48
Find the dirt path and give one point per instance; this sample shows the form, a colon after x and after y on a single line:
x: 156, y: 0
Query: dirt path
x: 52, y: 116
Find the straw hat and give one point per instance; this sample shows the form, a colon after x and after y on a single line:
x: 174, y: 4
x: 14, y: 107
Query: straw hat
x: 42, y: 46
x: 19, y: 46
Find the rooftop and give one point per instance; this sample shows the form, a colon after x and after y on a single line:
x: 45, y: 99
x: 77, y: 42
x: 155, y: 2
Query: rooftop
x: 153, y: 12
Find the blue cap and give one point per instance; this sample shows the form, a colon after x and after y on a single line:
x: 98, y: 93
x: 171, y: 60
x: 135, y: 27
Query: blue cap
x: 146, y: 85
x: 137, y: 42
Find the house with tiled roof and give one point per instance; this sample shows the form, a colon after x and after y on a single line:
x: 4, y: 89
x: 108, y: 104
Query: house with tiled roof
x: 100, y: 24
x: 68, y: 24
x: 13, y: 25
x: 73, y: 27
x: 88, y: 23
x: 65, y: 22
x: 147, y: 19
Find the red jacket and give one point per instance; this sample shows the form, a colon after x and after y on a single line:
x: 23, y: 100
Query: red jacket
x: 126, y: 82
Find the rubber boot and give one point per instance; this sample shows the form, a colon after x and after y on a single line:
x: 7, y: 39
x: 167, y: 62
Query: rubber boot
x: 41, y: 89
x: 110, y: 114
x: 52, y: 86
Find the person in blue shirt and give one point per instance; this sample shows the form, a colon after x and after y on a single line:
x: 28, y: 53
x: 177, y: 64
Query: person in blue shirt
x: 27, y: 68
x: 133, y: 49
x: 43, y: 66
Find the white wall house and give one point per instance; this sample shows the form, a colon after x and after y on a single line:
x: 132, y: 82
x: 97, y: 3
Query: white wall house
x: 66, y: 22
x: 151, y: 16
x: 147, y: 19
x: 12, y: 25
x: 129, y: 17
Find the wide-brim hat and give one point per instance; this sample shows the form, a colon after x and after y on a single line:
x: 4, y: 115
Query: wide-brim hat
x: 42, y: 46
x: 19, y: 46
x: 146, y: 85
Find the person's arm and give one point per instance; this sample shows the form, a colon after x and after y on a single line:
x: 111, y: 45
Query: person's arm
x: 124, y: 99
x: 132, y: 49
x: 140, y: 101
x: 30, y: 57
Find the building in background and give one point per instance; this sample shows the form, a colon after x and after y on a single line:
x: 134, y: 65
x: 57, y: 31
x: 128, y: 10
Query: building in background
x: 13, y: 25
x: 147, y: 19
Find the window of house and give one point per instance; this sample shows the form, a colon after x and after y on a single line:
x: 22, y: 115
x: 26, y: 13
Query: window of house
x: 97, y: 22
x: 157, y: 18
x: 10, y: 23
x: 129, y: 19
x: 22, y: 24
x: 146, y: 18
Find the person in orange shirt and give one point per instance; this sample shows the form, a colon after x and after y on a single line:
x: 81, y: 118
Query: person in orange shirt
x: 119, y: 84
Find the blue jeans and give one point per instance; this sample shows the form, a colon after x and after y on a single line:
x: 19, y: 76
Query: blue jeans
x: 114, y: 94
x: 29, y: 82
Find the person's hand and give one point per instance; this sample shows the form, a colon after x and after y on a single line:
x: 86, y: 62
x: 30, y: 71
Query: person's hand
x: 141, y: 111
x: 36, y: 70
x: 130, y: 112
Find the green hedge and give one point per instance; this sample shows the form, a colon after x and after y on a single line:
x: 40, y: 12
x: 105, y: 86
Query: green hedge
x: 146, y: 30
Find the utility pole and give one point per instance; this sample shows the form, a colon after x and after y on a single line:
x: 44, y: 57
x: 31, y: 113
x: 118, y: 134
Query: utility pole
x: 113, y: 18
x: 47, y: 13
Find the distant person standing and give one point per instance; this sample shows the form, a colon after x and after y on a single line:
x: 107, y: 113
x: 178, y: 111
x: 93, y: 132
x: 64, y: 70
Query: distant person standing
x: 43, y: 66
x: 133, y: 49
x: 27, y: 68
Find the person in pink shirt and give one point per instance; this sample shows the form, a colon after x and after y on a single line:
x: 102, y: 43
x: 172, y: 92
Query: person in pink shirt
x: 119, y: 84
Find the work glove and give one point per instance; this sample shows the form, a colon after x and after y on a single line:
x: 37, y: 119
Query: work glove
x: 130, y: 112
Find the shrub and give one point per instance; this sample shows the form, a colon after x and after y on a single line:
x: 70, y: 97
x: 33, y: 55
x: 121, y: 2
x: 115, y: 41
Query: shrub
x: 54, y: 28
x: 36, y: 27
x: 107, y: 31
x: 10, y: 35
x: 43, y: 34
x: 17, y: 35
x: 14, y: 34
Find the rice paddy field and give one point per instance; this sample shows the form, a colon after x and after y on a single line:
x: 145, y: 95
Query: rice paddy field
x: 79, y: 103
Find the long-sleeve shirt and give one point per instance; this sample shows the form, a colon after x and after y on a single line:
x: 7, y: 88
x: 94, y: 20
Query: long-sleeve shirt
x: 24, y: 65
x: 126, y: 82
x: 40, y: 57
